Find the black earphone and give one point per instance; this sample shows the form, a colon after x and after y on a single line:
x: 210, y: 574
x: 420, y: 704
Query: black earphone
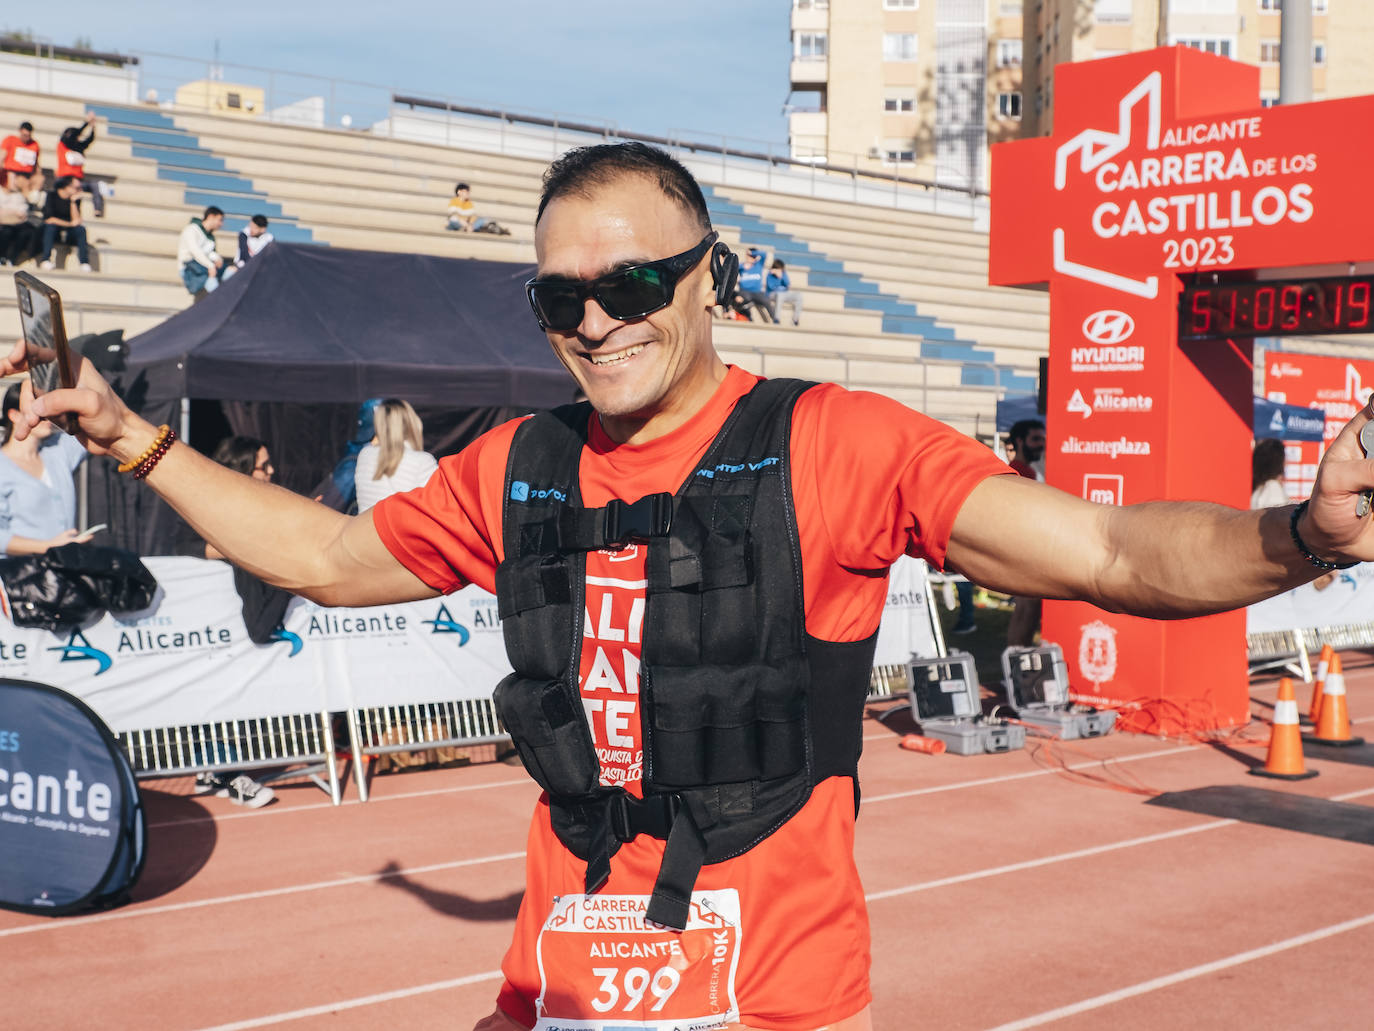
x: 724, y: 272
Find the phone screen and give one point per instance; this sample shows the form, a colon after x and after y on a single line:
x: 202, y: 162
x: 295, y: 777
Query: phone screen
x: 45, y: 338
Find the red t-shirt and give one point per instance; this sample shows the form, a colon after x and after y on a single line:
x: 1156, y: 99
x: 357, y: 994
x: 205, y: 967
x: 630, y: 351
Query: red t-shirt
x: 19, y: 156
x: 871, y: 480
x: 70, y: 162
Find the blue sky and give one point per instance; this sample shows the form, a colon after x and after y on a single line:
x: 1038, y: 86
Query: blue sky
x: 703, y: 66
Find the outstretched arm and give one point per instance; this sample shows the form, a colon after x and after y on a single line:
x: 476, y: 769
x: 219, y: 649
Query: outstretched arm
x: 1160, y: 559
x: 280, y: 537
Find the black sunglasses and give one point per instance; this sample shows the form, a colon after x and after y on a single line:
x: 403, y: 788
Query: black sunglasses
x: 627, y: 293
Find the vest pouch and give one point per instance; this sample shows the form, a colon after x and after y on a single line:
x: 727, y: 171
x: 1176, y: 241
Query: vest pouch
x: 550, y: 732
x: 724, y: 724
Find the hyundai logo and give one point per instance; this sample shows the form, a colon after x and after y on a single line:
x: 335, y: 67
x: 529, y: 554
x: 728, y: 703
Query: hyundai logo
x: 1108, y: 326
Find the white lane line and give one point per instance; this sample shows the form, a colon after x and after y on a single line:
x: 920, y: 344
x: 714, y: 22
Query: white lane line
x: 351, y: 1004
x: 250, y: 896
x: 281, y: 811
x: 1097, y: 1002
x: 1030, y: 864
x: 871, y: 799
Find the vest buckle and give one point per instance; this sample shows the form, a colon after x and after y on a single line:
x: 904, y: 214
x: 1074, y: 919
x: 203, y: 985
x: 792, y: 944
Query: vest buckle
x: 650, y: 516
x: 654, y: 815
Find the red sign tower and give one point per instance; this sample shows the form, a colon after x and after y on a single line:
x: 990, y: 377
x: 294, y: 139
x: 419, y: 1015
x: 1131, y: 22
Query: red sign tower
x: 1167, y: 199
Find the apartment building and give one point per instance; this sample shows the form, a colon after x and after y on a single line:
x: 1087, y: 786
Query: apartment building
x: 1245, y: 30
x: 916, y: 87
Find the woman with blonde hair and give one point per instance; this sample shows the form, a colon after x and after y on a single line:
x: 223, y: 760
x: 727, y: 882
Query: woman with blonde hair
x: 396, y: 460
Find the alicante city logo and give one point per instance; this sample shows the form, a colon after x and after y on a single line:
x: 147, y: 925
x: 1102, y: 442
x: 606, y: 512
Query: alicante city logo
x: 444, y: 623
x: 78, y: 649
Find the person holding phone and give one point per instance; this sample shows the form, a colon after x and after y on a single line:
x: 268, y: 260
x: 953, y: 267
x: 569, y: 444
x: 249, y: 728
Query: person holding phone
x: 37, y: 494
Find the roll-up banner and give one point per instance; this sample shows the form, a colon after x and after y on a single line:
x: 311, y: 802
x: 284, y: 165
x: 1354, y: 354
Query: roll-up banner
x: 72, y: 828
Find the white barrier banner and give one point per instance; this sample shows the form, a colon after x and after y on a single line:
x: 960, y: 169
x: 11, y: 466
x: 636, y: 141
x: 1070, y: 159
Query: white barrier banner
x: 187, y: 659
x: 1348, y: 599
x: 906, y: 628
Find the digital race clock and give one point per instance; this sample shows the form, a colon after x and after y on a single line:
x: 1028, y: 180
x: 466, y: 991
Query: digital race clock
x: 1277, y: 307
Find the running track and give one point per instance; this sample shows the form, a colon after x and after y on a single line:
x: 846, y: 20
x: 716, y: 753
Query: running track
x: 1004, y: 893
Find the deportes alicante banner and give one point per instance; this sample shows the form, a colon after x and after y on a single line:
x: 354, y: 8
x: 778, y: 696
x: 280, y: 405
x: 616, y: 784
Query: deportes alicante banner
x: 188, y: 660
x: 71, y: 825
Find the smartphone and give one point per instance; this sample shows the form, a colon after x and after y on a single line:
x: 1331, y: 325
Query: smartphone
x: 93, y: 529
x: 51, y: 363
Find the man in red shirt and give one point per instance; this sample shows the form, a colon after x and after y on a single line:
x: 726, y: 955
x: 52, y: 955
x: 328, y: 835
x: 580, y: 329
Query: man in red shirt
x: 1027, y: 438
x: 777, y: 935
x: 19, y: 153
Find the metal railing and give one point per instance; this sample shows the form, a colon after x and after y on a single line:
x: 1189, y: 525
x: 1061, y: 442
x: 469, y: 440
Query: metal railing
x: 182, y: 84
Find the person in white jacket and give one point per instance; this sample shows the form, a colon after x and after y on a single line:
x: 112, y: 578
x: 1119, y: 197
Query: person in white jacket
x: 201, y: 267
x: 396, y: 460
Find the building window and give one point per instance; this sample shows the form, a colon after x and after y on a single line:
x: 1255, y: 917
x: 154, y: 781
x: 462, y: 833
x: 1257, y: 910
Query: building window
x: 1319, y: 53
x: 1269, y: 51
x: 899, y: 105
x: 1271, y: 5
x: 900, y: 5
x: 810, y: 46
x: 1268, y: 101
x: 899, y: 46
x: 1218, y: 45
x: 233, y: 100
x: 1009, y: 105
x: 1008, y: 9
x: 1008, y: 53
x: 1318, y: 6
x: 893, y: 157
x: 811, y: 5
x: 1112, y: 10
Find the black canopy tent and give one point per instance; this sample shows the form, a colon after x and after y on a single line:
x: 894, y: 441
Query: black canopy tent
x: 289, y: 347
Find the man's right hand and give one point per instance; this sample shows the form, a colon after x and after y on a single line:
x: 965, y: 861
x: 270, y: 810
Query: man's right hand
x: 65, y: 537
x: 108, y: 427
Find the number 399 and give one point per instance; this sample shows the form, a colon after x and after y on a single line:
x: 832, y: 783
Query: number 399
x: 636, y: 982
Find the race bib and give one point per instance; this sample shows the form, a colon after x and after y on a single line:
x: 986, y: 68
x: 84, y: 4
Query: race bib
x: 603, y: 967
x: 26, y: 157
x: 75, y: 158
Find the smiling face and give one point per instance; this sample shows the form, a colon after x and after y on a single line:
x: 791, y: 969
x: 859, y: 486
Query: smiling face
x: 647, y: 376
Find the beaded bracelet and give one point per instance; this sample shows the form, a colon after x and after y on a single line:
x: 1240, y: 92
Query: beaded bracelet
x: 162, y: 432
x: 1303, y: 549
x: 159, y: 449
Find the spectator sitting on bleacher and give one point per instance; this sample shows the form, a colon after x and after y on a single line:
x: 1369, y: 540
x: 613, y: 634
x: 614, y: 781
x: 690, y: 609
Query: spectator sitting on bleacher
x: 20, y: 153
x: 252, y: 239
x: 752, y: 284
x: 199, y: 263
x: 71, y: 160
x: 62, y: 221
x: 463, y: 217
x: 780, y: 292
x: 16, y: 235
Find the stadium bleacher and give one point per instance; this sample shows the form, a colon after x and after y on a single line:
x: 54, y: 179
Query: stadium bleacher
x: 897, y: 301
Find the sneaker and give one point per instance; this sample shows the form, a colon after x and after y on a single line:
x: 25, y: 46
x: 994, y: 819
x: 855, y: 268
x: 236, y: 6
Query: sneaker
x: 244, y: 790
x: 47, y: 266
x: 85, y: 266
x: 211, y: 784
x: 965, y: 629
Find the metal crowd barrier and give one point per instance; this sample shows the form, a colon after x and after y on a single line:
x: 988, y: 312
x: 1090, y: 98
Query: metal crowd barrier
x: 409, y: 728
x: 1292, y: 649
x: 304, y: 743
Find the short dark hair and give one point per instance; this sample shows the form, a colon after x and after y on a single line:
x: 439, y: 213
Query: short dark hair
x: 1266, y: 463
x: 212, y: 210
x: 26, y: 125
x: 461, y: 186
x: 582, y: 170
x: 779, y: 263
x: 1021, y: 429
x: 239, y: 454
x: 63, y: 182
x: 10, y: 403
x: 259, y: 220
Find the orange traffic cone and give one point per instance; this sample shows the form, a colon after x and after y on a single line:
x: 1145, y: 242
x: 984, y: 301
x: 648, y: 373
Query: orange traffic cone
x: 1285, y: 740
x: 1333, y: 723
x: 1323, y: 664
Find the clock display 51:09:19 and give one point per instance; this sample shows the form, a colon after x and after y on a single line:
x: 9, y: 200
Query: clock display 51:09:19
x: 1278, y: 308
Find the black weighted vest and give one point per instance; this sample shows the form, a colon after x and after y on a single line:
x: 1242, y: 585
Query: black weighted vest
x: 742, y: 713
